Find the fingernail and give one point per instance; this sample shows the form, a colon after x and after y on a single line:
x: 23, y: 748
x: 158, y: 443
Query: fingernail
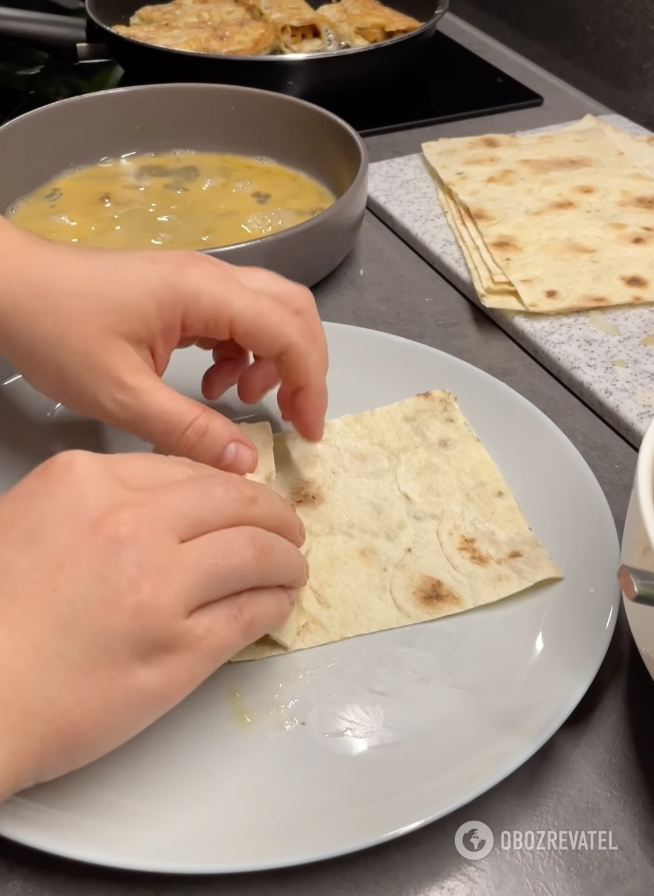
x: 291, y: 593
x: 238, y: 458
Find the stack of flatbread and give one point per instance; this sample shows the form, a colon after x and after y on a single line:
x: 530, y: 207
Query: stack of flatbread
x: 408, y: 519
x: 552, y: 223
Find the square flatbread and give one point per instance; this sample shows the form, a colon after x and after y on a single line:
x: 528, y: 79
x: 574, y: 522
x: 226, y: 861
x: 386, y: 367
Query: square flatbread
x: 408, y: 519
x: 564, y: 221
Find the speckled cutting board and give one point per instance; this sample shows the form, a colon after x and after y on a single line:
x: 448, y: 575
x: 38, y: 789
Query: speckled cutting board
x: 611, y: 372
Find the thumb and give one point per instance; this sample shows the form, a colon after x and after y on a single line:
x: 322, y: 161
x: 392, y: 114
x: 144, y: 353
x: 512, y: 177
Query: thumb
x: 181, y: 426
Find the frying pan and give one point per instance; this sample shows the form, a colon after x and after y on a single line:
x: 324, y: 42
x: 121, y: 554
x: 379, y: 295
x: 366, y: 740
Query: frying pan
x: 80, y: 131
x: 320, y: 77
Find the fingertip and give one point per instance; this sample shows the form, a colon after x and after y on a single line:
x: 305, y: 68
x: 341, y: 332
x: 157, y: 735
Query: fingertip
x: 239, y: 457
x: 300, y: 532
x: 309, y: 411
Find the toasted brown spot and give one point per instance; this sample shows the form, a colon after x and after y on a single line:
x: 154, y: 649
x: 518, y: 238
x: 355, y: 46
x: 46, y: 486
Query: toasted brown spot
x: 514, y: 555
x: 481, y: 160
x: 430, y: 592
x: 445, y: 443
x: 427, y: 395
x: 366, y: 554
x: 563, y: 163
x: 505, y: 244
x: 563, y: 204
x: 507, y: 177
x: 551, y: 293
x: 527, y: 280
x: 579, y: 248
x: 649, y: 229
x: 490, y: 142
x: 468, y: 546
x: 499, y: 494
x: 480, y: 214
x: 644, y: 201
x: 306, y: 493
x: 636, y: 281
x: 617, y: 225
x: 320, y: 600
x: 584, y: 188
x: 637, y: 240
x: 638, y: 300
x: 596, y: 300
x: 560, y: 205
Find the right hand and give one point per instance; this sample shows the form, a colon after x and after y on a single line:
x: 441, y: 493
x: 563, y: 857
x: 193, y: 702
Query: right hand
x: 106, y: 323
x: 125, y: 581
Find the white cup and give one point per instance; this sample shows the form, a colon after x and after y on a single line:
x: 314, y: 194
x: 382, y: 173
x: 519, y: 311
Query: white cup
x: 638, y: 546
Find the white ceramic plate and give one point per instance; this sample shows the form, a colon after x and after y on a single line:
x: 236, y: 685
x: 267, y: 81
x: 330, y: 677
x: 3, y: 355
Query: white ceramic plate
x: 330, y: 750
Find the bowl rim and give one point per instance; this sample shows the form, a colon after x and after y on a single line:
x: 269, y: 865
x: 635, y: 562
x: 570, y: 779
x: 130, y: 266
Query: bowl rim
x: 334, y: 209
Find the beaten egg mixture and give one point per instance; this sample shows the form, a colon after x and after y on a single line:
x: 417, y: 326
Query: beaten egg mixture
x: 181, y: 200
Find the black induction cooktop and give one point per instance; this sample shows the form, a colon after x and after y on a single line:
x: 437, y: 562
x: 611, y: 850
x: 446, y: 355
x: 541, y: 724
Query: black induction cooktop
x: 446, y: 82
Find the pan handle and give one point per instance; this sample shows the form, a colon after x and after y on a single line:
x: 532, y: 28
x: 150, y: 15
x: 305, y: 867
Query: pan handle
x: 69, y: 4
x: 43, y: 27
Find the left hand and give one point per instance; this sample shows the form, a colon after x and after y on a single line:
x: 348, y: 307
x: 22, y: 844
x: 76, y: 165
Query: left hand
x: 95, y: 329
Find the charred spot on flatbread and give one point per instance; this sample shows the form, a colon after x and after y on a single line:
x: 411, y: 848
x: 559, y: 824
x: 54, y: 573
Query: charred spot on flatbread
x: 506, y: 244
x: 367, y: 554
x: 490, y: 142
x: 480, y: 214
x: 306, y: 493
x: 636, y: 281
x: 554, y: 163
x: 644, y: 201
x: 595, y: 300
x: 481, y: 160
x: 559, y: 205
x: 468, y: 547
x: 578, y: 248
x: 507, y: 178
x: 431, y: 591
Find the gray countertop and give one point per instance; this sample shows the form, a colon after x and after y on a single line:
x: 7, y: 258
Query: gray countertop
x: 597, y: 772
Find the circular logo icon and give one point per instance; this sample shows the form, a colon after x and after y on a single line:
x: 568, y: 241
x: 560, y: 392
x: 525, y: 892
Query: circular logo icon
x: 474, y: 840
